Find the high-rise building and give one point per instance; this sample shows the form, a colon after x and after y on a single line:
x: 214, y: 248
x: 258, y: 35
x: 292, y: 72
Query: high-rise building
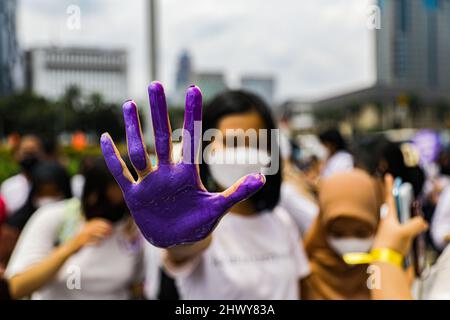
x: 52, y: 70
x: 184, y: 71
x: 413, y: 44
x: 184, y: 77
x: 8, y: 45
x: 211, y: 83
x: 262, y: 86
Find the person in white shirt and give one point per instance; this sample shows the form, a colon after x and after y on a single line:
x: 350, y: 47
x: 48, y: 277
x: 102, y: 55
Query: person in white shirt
x: 256, y: 250
x: 440, y: 224
x: 105, y: 271
x: 339, y: 159
x: 15, y: 189
x: 23, y: 284
x: 249, y: 257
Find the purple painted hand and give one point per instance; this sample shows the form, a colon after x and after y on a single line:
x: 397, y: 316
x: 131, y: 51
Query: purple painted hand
x: 169, y: 203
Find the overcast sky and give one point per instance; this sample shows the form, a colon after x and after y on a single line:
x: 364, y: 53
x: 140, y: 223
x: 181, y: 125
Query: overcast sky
x: 314, y: 48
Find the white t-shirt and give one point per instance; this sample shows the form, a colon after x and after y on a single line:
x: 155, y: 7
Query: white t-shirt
x: 440, y: 224
x: 15, y: 192
x: 437, y: 285
x: 153, y: 263
x: 302, y: 210
x: 256, y: 257
x: 104, y: 271
x: 341, y: 161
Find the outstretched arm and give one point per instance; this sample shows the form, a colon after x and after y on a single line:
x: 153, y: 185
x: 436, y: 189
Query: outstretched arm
x: 169, y: 203
x: 396, y: 237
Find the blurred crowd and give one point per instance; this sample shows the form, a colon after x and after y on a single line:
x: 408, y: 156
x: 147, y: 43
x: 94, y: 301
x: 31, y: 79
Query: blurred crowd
x: 65, y: 237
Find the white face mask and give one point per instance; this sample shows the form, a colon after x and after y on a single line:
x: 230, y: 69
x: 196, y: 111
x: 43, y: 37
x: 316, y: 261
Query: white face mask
x: 228, y: 165
x: 45, y: 201
x: 350, y: 245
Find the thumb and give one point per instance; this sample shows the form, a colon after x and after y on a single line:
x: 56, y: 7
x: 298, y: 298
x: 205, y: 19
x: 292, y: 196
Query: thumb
x: 243, y: 189
x: 415, y: 226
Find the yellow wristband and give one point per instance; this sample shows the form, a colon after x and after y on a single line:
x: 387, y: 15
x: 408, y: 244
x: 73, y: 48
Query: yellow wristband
x: 377, y: 255
x: 387, y: 255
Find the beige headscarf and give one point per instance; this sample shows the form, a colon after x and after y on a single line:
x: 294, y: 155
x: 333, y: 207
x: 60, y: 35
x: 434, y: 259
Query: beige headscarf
x: 352, y: 194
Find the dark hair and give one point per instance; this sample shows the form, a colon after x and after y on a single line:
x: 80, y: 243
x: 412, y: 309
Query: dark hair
x: 51, y: 172
x: 367, y: 153
x: 392, y: 154
x: 97, y: 179
x: 444, y: 161
x: 236, y: 102
x: 42, y: 173
x: 334, y: 137
x: 49, y: 144
x: 372, y: 151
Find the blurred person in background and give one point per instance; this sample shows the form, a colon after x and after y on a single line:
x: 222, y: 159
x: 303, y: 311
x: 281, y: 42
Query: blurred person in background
x: 256, y: 251
x: 41, y: 273
x: 338, y: 157
x: 438, y: 180
x: 50, y: 183
x: 437, y: 284
x: 349, y: 213
x: 443, y: 163
x: 15, y: 189
x: 440, y: 223
x: 109, y: 270
x: 51, y: 147
x: 439, y: 202
x: 297, y: 194
x: 391, y: 160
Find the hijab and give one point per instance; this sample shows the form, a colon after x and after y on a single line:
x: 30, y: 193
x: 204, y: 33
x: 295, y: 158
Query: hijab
x: 355, y: 195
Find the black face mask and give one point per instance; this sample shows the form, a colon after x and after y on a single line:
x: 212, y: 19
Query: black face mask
x: 28, y: 163
x: 108, y: 212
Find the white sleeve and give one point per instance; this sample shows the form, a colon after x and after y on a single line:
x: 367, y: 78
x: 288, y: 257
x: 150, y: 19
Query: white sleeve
x: 440, y: 288
x: 37, y: 239
x: 440, y: 224
x: 302, y: 210
x: 153, y: 264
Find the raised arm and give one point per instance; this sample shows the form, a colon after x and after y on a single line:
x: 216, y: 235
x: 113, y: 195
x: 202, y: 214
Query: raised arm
x: 397, y: 238
x: 169, y: 203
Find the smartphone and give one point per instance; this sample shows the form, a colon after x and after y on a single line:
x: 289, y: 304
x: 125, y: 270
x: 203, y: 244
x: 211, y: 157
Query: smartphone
x: 419, y: 244
x: 408, y: 207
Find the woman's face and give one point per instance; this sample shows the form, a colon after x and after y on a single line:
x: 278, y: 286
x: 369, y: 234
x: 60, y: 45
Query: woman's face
x: 113, y: 208
x: 235, y: 154
x: 345, y: 227
x: 348, y: 235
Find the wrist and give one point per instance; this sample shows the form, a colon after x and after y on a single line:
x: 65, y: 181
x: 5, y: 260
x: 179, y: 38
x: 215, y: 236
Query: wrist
x: 73, y: 245
x: 378, y: 254
x: 387, y: 255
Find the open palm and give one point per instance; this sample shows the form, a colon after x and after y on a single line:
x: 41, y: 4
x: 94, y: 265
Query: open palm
x: 169, y: 203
